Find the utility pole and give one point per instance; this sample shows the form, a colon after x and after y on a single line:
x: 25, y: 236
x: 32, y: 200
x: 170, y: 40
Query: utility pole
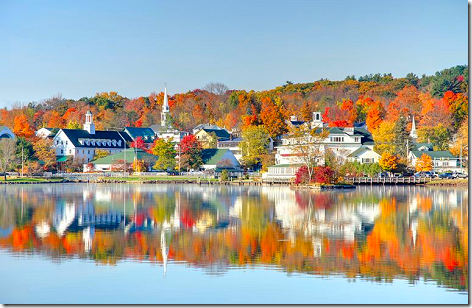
x: 179, y: 158
x: 22, y: 160
x: 124, y: 161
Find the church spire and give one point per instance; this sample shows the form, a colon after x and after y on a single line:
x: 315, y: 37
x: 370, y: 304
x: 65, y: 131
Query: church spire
x: 165, y: 108
x: 413, y: 133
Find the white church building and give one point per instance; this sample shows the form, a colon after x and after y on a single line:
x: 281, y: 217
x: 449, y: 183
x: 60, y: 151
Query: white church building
x: 165, y: 130
x: 82, y: 143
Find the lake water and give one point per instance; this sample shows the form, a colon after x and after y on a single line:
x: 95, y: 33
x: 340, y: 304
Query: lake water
x: 147, y: 243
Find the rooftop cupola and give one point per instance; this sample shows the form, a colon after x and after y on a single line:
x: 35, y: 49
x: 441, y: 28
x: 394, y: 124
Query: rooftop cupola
x: 88, y: 125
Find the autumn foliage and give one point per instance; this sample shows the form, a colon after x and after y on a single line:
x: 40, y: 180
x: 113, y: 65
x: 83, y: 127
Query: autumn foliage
x: 424, y: 163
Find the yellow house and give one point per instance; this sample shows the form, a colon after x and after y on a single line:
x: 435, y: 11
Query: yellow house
x: 209, y: 137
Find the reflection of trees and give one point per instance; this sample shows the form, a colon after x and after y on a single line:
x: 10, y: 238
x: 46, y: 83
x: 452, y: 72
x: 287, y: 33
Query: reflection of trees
x: 428, y: 240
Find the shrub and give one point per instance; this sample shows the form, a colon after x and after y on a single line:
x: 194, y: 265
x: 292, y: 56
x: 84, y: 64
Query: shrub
x: 323, y: 175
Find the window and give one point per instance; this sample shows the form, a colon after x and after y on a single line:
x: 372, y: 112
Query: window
x: 367, y: 160
x: 336, y: 139
x: 356, y: 139
x: 62, y: 151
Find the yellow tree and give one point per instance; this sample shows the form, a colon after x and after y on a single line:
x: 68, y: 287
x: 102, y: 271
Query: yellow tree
x: 44, y: 151
x: 388, y: 162
x: 424, y: 163
x: 384, y: 136
x: 462, y: 140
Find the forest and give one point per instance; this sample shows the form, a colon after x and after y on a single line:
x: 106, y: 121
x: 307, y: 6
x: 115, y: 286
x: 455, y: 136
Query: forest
x: 438, y: 103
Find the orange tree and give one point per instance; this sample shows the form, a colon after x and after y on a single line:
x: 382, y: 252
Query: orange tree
x: 388, y: 162
x: 424, y: 163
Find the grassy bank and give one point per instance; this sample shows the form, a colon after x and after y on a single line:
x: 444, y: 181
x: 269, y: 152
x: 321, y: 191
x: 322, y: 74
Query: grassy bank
x: 449, y: 182
x: 156, y: 179
x: 25, y: 180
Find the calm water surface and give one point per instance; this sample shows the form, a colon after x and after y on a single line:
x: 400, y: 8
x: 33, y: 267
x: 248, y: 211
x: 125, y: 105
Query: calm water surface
x: 122, y: 243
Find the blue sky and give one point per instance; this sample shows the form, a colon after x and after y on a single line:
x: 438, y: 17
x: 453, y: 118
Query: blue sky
x: 79, y: 48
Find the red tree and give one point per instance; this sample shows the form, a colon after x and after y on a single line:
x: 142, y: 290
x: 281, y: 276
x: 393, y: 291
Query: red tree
x: 139, y: 144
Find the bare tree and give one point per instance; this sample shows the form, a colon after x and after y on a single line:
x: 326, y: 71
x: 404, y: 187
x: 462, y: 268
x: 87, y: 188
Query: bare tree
x: 7, y: 154
x: 308, y: 145
x: 216, y: 88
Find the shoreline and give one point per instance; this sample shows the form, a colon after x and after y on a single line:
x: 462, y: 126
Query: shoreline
x: 19, y: 181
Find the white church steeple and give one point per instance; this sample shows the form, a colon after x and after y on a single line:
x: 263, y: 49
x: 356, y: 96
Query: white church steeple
x: 88, y: 125
x: 413, y: 133
x: 165, y: 108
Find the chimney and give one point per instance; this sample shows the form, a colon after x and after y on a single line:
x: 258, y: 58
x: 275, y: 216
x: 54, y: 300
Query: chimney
x: 349, y: 130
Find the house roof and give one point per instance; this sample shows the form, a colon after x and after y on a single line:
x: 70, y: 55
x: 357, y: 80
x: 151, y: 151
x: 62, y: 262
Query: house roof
x: 213, y: 156
x: 366, y: 136
x: 206, y: 126
x: 220, y: 133
x: 75, y: 134
x: 52, y: 131
x: 231, y: 140
x: 163, y: 129
x: 359, y: 151
x: 285, y: 165
x: 424, y: 144
x: 6, y: 135
x: 146, y: 133
x: 297, y: 123
x: 61, y: 159
x: 130, y: 155
x: 434, y: 154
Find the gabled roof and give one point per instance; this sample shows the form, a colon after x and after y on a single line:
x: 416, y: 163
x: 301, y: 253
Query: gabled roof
x: 434, y: 154
x: 146, y: 133
x: 424, y: 144
x: 366, y: 136
x: 75, y: 134
x: 220, y: 133
x: 130, y: 154
x: 206, y: 126
x: 231, y: 140
x: 157, y: 128
x: 8, y: 133
x: 359, y: 151
x: 213, y: 156
x: 52, y: 131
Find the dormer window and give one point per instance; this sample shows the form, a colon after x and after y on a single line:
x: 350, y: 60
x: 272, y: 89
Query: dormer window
x: 119, y: 143
x: 114, y: 143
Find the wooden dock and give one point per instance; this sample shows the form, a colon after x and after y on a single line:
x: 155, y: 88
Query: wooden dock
x: 411, y: 180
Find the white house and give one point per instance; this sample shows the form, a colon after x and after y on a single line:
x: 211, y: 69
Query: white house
x: 5, y: 132
x: 46, y: 132
x: 364, y: 155
x: 215, y: 159
x: 442, y: 160
x: 353, y: 143
x: 82, y: 143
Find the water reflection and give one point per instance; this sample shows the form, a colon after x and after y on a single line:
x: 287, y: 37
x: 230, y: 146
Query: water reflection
x: 380, y: 233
